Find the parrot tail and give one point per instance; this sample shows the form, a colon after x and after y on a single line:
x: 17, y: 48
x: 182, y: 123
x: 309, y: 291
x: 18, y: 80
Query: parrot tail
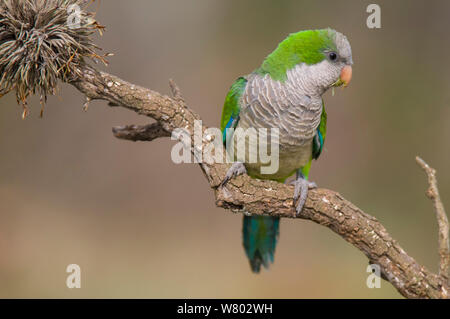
x: 260, y: 235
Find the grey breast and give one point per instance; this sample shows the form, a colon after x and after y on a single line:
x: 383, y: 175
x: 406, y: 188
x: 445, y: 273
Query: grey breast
x: 288, y: 106
x: 267, y: 103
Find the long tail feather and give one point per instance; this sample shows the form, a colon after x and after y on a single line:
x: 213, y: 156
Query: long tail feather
x: 260, y: 235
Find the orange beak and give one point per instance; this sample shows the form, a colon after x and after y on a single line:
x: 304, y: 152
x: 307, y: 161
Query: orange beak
x: 346, y: 75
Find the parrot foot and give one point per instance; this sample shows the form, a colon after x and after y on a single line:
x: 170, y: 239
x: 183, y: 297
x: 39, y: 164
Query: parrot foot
x: 236, y: 169
x: 301, y: 187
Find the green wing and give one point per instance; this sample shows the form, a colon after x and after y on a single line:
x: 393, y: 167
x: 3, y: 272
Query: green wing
x: 318, y: 141
x: 231, y: 107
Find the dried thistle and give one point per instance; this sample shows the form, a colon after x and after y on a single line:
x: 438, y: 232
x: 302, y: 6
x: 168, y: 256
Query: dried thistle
x: 41, y: 42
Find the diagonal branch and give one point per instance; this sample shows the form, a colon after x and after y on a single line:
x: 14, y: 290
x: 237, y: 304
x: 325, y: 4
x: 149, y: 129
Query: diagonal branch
x: 433, y: 194
x: 324, y: 207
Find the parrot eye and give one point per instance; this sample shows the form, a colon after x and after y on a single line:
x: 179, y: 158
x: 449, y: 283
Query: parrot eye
x: 332, y: 56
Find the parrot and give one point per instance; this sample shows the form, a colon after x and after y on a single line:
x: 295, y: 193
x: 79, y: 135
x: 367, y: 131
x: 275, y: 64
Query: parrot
x: 285, y: 92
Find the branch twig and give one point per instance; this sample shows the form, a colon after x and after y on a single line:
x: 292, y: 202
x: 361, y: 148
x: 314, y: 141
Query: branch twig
x: 176, y: 92
x: 433, y: 194
x: 140, y: 132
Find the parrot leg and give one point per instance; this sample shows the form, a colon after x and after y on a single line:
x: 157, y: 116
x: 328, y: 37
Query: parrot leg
x: 302, y: 186
x: 236, y: 169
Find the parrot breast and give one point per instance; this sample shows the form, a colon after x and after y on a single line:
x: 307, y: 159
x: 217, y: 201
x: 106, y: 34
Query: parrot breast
x: 292, y: 106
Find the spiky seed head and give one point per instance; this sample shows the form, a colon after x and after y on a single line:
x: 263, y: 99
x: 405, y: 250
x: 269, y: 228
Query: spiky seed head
x: 41, y: 42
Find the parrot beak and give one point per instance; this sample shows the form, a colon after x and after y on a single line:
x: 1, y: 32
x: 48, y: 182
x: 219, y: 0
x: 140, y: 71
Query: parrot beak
x: 346, y: 75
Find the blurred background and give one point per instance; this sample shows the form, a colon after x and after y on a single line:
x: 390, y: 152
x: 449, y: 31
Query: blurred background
x: 140, y: 226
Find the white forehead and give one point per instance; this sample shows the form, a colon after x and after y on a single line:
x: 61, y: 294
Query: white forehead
x: 343, y: 47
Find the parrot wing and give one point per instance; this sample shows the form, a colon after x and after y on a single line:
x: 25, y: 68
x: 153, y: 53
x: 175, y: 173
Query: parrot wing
x: 231, y: 107
x: 319, y: 140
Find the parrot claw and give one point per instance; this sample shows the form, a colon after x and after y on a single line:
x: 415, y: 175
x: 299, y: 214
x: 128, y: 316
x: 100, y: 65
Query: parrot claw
x: 301, y: 187
x: 236, y: 169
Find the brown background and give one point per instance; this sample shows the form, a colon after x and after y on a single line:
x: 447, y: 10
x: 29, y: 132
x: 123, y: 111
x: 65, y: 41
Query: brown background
x: 141, y: 226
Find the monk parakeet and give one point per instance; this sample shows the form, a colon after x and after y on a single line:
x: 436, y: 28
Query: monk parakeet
x: 285, y: 92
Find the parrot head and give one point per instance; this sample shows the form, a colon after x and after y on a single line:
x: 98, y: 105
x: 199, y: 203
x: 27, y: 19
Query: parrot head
x: 341, y: 60
x: 325, y: 58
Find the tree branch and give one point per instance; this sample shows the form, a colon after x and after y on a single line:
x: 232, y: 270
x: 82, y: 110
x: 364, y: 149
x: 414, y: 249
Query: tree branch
x: 433, y: 194
x: 140, y: 132
x: 324, y: 207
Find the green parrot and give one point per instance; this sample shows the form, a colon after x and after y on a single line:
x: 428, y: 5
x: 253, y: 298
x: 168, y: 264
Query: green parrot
x: 285, y: 93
